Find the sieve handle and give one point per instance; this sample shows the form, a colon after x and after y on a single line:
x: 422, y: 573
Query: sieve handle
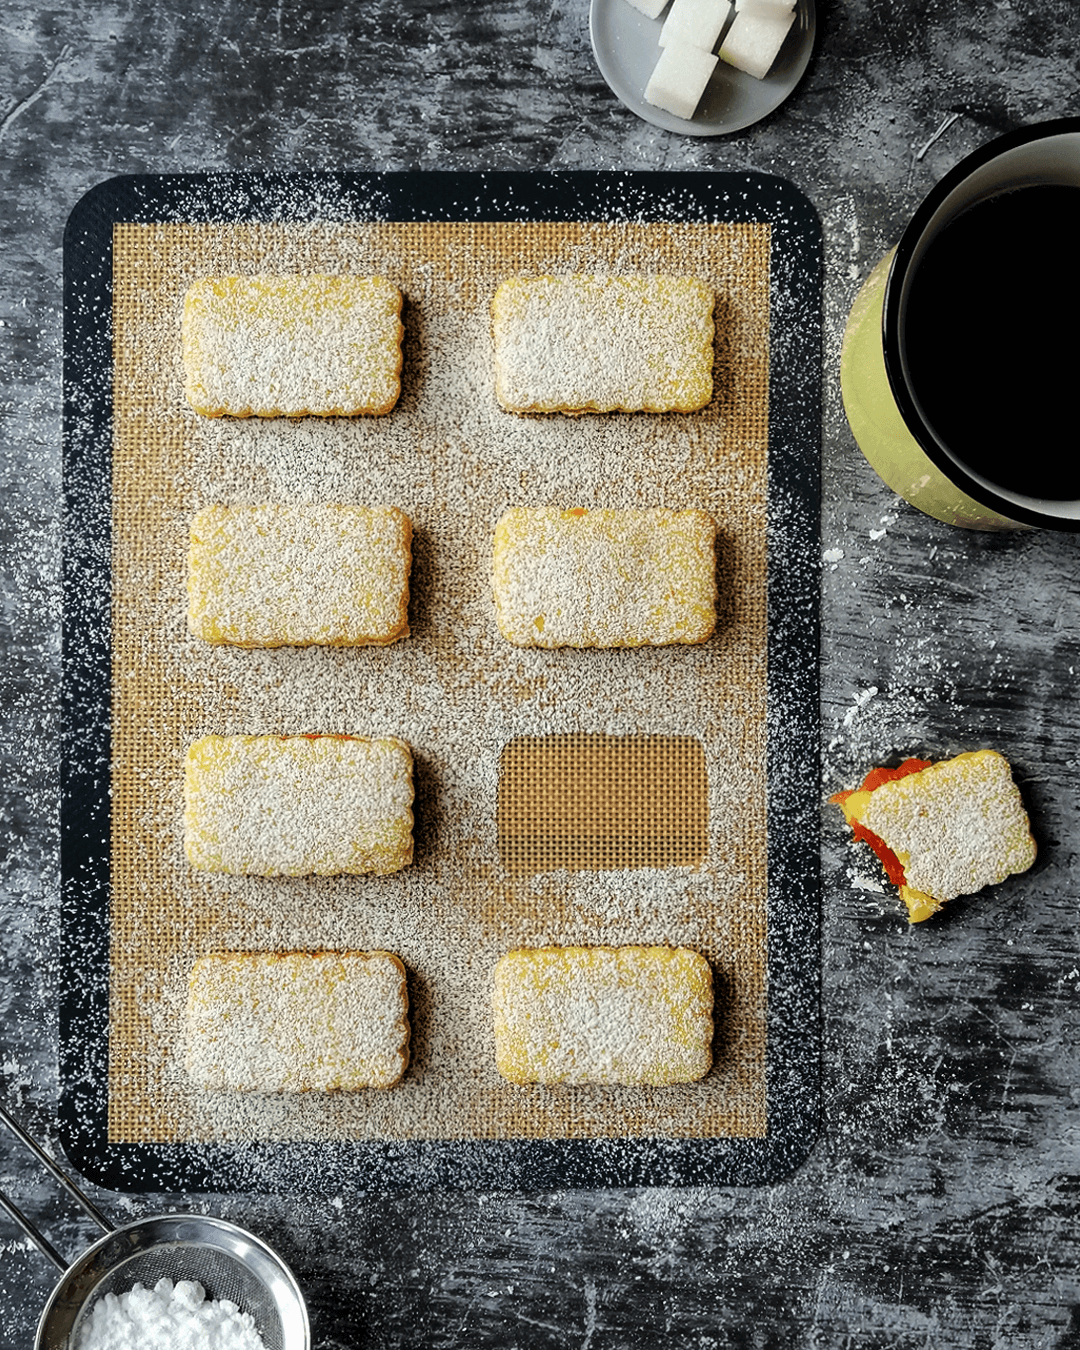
x: 84, y: 1201
x: 40, y: 1241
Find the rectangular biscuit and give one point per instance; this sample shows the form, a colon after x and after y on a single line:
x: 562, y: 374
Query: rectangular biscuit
x: 587, y: 343
x: 292, y: 345
x: 271, y: 576
x: 950, y: 828
x: 298, y: 805
x: 604, y: 578
x: 626, y: 1015
x: 296, y: 1021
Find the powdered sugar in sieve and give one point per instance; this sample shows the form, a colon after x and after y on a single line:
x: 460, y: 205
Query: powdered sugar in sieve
x: 229, y: 1265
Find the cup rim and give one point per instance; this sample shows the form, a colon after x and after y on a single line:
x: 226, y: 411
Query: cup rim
x: 1018, y: 509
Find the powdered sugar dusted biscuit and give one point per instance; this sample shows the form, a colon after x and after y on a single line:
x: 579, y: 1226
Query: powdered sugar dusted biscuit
x: 604, y: 578
x: 291, y: 346
x: 298, y: 805
x: 297, y: 1021
x: 945, y: 829
x: 627, y: 1015
x: 269, y: 576
x: 587, y: 343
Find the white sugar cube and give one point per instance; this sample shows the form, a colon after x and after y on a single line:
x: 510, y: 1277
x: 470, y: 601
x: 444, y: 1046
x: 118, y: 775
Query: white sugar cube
x: 699, y: 22
x: 755, y: 37
x: 765, y: 4
x: 679, y: 78
x: 650, y: 8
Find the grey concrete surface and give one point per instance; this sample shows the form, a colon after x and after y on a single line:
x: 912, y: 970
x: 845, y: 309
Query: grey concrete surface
x: 939, y: 1207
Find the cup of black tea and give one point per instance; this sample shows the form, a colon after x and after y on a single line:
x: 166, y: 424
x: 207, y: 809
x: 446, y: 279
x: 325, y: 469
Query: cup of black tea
x: 960, y: 366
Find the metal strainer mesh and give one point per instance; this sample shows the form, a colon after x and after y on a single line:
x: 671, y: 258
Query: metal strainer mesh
x: 218, y: 1273
x: 228, y: 1262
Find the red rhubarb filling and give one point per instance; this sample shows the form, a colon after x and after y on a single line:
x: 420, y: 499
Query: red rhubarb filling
x: 893, y: 868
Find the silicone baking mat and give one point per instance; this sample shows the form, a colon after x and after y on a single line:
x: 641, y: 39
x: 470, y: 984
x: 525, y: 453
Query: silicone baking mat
x: 661, y: 795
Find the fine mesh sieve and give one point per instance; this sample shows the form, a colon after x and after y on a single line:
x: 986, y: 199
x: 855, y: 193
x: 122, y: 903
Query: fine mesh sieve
x: 227, y: 1261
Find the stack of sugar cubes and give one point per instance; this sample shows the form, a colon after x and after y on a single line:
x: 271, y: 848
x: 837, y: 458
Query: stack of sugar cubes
x: 688, y: 41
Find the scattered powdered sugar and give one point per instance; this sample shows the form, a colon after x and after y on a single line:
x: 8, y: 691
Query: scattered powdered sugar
x: 167, y: 1317
x: 455, y: 690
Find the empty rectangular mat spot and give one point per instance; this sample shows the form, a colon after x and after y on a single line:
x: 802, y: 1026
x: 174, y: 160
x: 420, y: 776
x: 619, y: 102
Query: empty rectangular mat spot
x: 592, y: 802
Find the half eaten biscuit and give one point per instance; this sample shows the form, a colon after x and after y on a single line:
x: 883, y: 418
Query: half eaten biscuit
x: 942, y: 830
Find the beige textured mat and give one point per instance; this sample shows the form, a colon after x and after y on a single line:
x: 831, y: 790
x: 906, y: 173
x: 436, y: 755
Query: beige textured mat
x: 664, y: 749
x: 602, y: 803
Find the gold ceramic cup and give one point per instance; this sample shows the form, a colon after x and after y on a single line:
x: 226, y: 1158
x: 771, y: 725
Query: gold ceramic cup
x: 883, y: 408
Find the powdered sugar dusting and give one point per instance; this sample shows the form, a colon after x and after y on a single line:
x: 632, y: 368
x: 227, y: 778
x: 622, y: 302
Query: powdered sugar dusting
x: 600, y: 343
x: 298, y: 805
x: 273, y: 574
x: 446, y: 454
x: 455, y: 690
x: 957, y: 826
x: 288, y: 346
x: 628, y: 1015
x: 167, y: 1317
x: 604, y: 578
x: 296, y: 1022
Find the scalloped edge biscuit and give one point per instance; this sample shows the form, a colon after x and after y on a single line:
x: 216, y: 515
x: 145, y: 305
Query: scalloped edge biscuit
x: 589, y: 343
x: 604, y: 577
x: 273, y: 576
x: 325, y: 345
x: 298, y: 805
x: 955, y: 826
x: 633, y: 1015
x: 294, y: 1022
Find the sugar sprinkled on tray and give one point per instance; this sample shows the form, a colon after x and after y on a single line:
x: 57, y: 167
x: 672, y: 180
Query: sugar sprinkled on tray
x: 458, y: 695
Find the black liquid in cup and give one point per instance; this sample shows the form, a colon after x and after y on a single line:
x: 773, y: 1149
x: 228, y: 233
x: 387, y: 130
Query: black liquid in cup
x: 991, y: 333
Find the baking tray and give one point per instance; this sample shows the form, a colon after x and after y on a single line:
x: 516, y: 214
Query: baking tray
x: 794, y: 414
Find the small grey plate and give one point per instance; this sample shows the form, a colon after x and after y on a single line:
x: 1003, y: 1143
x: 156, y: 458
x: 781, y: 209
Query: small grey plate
x: 626, y: 46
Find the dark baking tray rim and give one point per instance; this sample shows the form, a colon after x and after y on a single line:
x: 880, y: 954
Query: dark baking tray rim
x: 794, y: 952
